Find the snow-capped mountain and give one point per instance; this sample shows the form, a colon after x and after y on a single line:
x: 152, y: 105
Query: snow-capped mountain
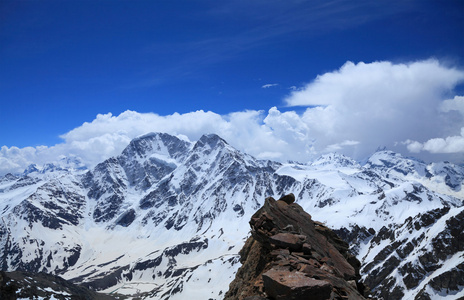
x: 444, y: 177
x: 167, y: 217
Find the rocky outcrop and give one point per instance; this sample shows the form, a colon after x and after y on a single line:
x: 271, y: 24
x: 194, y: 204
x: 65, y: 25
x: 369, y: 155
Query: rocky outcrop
x: 27, y: 285
x: 290, y: 256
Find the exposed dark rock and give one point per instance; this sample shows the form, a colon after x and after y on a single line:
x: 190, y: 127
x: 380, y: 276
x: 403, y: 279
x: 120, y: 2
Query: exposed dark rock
x: 413, y: 275
x: 26, y: 285
x: 127, y: 218
x: 287, y: 285
x: 289, y: 256
x: 452, y: 280
x: 432, y: 251
x: 355, y: 235
x: 289, y: 199
x: 288, y: 240
x: 390, y: 290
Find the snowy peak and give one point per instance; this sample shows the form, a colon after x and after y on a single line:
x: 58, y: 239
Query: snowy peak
x: 442, y: 177
x: 208, y: 142
x: 31, y: 169
x: 72, y: 163
x: 391, y: 161
x: 8, y: 178
x: 214, y: 154
x: 149, y: 158
x: 65, y: 164
x: 451, y: 174
x: 335, y: 160
x: 156, y: 143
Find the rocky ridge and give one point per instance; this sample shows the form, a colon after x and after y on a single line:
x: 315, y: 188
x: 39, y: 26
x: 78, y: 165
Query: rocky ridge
x: 290, y: 256
x: 26, y: 285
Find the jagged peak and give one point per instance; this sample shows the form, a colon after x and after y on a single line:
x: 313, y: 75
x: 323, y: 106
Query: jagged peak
x: 336, y: 160
x: 382, y: 154
x: 446, y: 165
x: 210, y: 141
x: 8, y: 177
x: 156, y: 142
x: 154, y: 135
x: 388, y: 158
x: 65, y: 164
x: 31, y: 168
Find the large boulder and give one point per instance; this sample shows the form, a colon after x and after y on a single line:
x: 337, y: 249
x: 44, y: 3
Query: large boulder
x: 288, y: 285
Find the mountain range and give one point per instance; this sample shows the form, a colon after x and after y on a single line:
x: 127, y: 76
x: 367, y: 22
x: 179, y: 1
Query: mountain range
x: 167, y: 217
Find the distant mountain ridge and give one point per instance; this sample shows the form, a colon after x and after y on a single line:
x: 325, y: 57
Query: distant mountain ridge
x: 163, y: 218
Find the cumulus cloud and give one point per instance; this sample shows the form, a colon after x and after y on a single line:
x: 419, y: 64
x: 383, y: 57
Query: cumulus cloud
x: 451, y: 144
x: 353, y: 111
x: 379, y: 84
x: 379, y: 104
x: 453, y: 111
x: 456, y: 104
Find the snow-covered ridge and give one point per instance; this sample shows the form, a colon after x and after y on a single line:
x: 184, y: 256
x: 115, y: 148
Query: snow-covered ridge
x: 166, y: 214
x: 444, y: 177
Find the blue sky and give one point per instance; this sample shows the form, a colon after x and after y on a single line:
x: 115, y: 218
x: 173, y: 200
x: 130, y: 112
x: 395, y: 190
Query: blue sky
x: 64, y: 62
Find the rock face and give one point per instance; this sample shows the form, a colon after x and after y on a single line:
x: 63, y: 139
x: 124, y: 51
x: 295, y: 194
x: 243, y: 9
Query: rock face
x: 290, y: 256
x: 412, y: 259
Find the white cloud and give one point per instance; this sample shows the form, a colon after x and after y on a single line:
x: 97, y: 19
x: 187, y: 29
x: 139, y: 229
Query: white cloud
x: 379, y: 104
x: 414, y: 146
x: 353, y: 111
x: 453, y: 112
x: 379, y: 84
x: 456, y: 104
x: 266, y: 86
x: 451, y: 144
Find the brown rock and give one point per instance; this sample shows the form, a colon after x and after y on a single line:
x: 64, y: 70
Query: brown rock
x: 246, y: 283
x: 294, y: 242
x: 306, y: 248
x: 289, y: 256
x: 289, y: 199
x: 285, y: 285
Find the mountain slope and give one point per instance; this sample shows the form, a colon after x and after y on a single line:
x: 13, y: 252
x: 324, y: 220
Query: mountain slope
x: 425, y: 257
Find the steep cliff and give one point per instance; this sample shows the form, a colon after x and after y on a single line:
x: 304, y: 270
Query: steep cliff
x: 290, y: 256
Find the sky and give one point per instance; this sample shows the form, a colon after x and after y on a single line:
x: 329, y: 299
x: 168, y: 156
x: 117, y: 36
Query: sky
x: 282, y: 80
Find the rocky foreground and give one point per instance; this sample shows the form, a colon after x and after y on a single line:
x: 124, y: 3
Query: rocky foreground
x: 290, y: 256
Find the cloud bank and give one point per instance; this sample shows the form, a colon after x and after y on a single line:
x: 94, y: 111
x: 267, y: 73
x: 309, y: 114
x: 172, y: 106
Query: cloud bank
x: 407, y: 107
